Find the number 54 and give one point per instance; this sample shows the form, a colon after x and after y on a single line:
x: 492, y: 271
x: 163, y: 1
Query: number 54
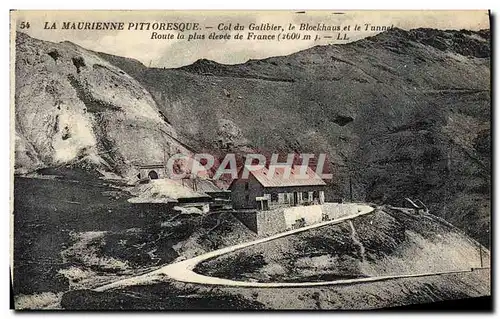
x: 24, y: 25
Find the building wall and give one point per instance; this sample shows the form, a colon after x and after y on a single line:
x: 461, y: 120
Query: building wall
x: 239, y: 193
x: 292, y: 189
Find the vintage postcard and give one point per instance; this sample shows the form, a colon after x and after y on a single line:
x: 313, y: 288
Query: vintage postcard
x: 250, y: 160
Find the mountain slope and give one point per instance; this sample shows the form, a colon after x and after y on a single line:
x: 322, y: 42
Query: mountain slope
x: 400, y: 114
x: 385, y: 243
x: 74, y: 107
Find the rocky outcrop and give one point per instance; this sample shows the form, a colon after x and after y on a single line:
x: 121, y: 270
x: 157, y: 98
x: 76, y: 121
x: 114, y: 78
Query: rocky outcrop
x: 75, y: 108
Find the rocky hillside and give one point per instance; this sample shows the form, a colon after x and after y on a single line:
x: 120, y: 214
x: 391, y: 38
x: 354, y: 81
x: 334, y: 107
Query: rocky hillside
x: 73, y: 107
x: 385, y: 243
x: 400, y: 114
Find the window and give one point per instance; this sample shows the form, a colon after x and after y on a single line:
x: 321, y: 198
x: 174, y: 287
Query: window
x: 315, y: 197
x: 305, y: 196
x: 247, y: 198
x: 246, y: 186
x: 281, y: 198
x: 274, y: 197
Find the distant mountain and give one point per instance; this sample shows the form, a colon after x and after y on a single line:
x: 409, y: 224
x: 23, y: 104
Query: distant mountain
x: 400, y: 114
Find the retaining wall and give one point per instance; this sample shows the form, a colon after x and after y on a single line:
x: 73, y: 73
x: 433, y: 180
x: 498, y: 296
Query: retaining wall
x: 270, y: 222
x: 278, y: 220
x: 337, y: 210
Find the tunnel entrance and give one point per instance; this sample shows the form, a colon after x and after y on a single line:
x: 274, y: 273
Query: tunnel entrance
x: 153, y: 175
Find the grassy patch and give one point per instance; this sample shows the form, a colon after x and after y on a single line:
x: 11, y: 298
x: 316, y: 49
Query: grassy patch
x: 238, y: 266
x: 74, y: 230
x: 380, y: 243
x: 380, y: 233
x: 163, y: 296
x: 36, y: 301
x: 60, y: 222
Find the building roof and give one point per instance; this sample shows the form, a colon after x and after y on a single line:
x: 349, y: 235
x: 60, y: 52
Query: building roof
x: 164, y: 191
x: 201, y: 185
x: 295, y: 179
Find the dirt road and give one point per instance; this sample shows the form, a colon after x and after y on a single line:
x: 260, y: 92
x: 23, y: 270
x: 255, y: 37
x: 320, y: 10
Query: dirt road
x: 183, y: 271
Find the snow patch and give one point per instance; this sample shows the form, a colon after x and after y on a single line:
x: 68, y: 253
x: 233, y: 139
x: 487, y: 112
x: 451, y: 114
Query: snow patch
x: 81, y: 139
x: 162, y: 191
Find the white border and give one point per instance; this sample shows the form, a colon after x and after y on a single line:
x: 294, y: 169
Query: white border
x: 187, y: 4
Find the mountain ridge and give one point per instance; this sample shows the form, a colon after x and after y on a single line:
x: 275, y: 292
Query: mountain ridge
x: 400, y: 114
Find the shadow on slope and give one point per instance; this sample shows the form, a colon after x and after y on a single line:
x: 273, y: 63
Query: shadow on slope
x: 387, y: 242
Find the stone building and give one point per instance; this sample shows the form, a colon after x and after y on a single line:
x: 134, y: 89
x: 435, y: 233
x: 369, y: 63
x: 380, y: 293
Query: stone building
x: 261, y: 191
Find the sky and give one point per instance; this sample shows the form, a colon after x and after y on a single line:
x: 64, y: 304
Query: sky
x: 176, y: 52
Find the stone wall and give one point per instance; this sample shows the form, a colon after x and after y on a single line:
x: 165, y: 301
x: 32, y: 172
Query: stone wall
x: 265, y: 223
x: 248, y: 218
x: 337, y: 210
x: 270, y: 222
x: 278, y: 220
x: 312, y: 214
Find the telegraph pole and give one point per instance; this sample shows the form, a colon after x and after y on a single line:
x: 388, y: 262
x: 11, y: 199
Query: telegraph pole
x: 164, y: 161
x: 481, y: 254
x: 350, y: 186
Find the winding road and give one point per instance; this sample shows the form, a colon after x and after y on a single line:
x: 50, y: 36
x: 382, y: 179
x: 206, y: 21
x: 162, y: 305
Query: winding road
x: 183, y: 271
